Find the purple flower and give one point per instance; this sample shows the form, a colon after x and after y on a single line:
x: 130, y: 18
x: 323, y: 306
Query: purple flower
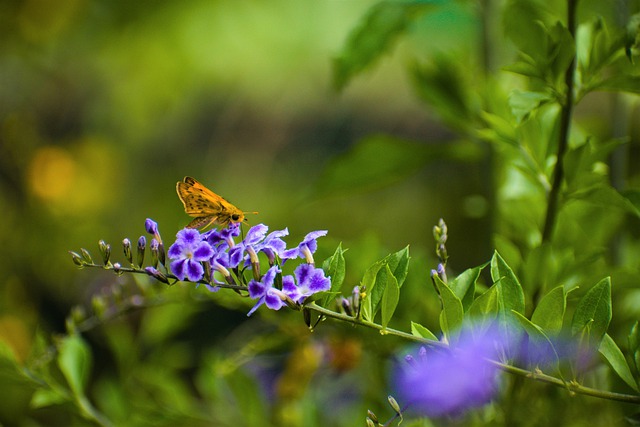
x: 217, y: 237
x: 254, y: 236
x: 442, y: 382
x: 220, y: 263
x: 152, y: 228
x: 265, y: 292
x: 306, y: 248
x: 273, y: 245
x: 310, y: 280
x: 188, y: 251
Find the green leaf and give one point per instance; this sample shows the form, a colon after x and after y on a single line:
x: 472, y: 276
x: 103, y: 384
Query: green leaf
x: 620, y: 83
x: 634, y: 344
x: 452, y: 313
x: 399, y: 263
x: 380, y: 160
x: 549, y: 313
x: 464, y: 285
x: 523, y: 103
x: 610, y: 350
x: 510, y: 294
x: 367, y: 284
x: 524, y: 25
x: 605, y: 196
x: 594, y: 312
x: 74, y: 360
x: 420, y: 331
x: 45, y: 397
x: 389, y: 298
x: 498, y: 130
x: 335, y: 268
x: 376, y: 34
x: 486, y: 306
x: 376, y: 279
x: 541, y: 349
x: 633, y: 197
x: 440, y: 83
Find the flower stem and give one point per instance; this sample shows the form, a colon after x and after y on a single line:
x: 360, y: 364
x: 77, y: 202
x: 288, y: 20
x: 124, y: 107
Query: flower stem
x: 565, y: 129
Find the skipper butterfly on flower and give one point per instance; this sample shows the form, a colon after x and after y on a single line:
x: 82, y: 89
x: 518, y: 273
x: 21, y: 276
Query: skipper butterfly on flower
x: 206, y: 206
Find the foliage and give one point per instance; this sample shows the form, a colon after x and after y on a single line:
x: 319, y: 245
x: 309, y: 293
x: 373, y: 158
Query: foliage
x: 551, y: 293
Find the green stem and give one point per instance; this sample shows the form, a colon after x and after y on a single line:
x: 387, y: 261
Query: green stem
x: 565, y: 129
x: 572, y: 387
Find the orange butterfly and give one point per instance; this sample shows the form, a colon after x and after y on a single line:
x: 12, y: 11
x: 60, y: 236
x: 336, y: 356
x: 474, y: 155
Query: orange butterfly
x: 206, y: 206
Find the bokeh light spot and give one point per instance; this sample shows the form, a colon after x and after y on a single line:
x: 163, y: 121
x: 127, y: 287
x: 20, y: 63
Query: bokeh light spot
x: 51, y: 173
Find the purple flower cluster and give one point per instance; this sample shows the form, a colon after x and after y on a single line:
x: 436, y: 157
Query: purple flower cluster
x: 447, y: 382
x: 196, y: 256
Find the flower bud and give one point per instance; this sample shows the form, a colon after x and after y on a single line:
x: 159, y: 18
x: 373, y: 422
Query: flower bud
x: 86, y: 256
x: 394, y: 404
x: 161, y: 253
x: 356, y: 296
x: 105, y: 250
x: 126, y: 245
x: 77, y: 259
x: 156, y: 275
x: 99, y: 305
x: 346, y: 306
x: 373, y: 417
x: 154, y: 246
x: 142, y: 245
x: 152, y: 228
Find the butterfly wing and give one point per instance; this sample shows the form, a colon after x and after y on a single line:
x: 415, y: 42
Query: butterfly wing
x: 198, y: 200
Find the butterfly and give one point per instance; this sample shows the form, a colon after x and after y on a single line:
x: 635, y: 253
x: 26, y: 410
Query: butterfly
x: 206, y: 206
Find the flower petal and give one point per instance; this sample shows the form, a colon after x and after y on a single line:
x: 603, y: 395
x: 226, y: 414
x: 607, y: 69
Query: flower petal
x: 178, y: 268
x: 194, y: 270
x: 255, y: 307
x: 203, y: 252
x: 273, y: 301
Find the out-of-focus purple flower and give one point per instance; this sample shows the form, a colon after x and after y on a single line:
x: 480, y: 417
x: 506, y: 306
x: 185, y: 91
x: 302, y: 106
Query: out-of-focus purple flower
x: 306, y: 248
x: 188, y: 251
x: 265, y: 292
x: 443, y: 382
x: 309, y: 281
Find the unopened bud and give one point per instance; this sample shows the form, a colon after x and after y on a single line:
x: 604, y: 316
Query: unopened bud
x: 356, y: 296
x: 161, y: 253
x: 86, y: 256
x: 77, y: 259
x: 105, y: 250
x: 126, y: 245
x: 346, y: 306
x: 372, y: 416
x: 99, y: 305
x: 394, y: 404
x: 142, y: 245
x: 156, y: 275
x: 154, y: 252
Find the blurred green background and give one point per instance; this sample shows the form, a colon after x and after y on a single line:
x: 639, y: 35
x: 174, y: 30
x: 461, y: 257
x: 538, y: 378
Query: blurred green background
x: 104, y: 106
